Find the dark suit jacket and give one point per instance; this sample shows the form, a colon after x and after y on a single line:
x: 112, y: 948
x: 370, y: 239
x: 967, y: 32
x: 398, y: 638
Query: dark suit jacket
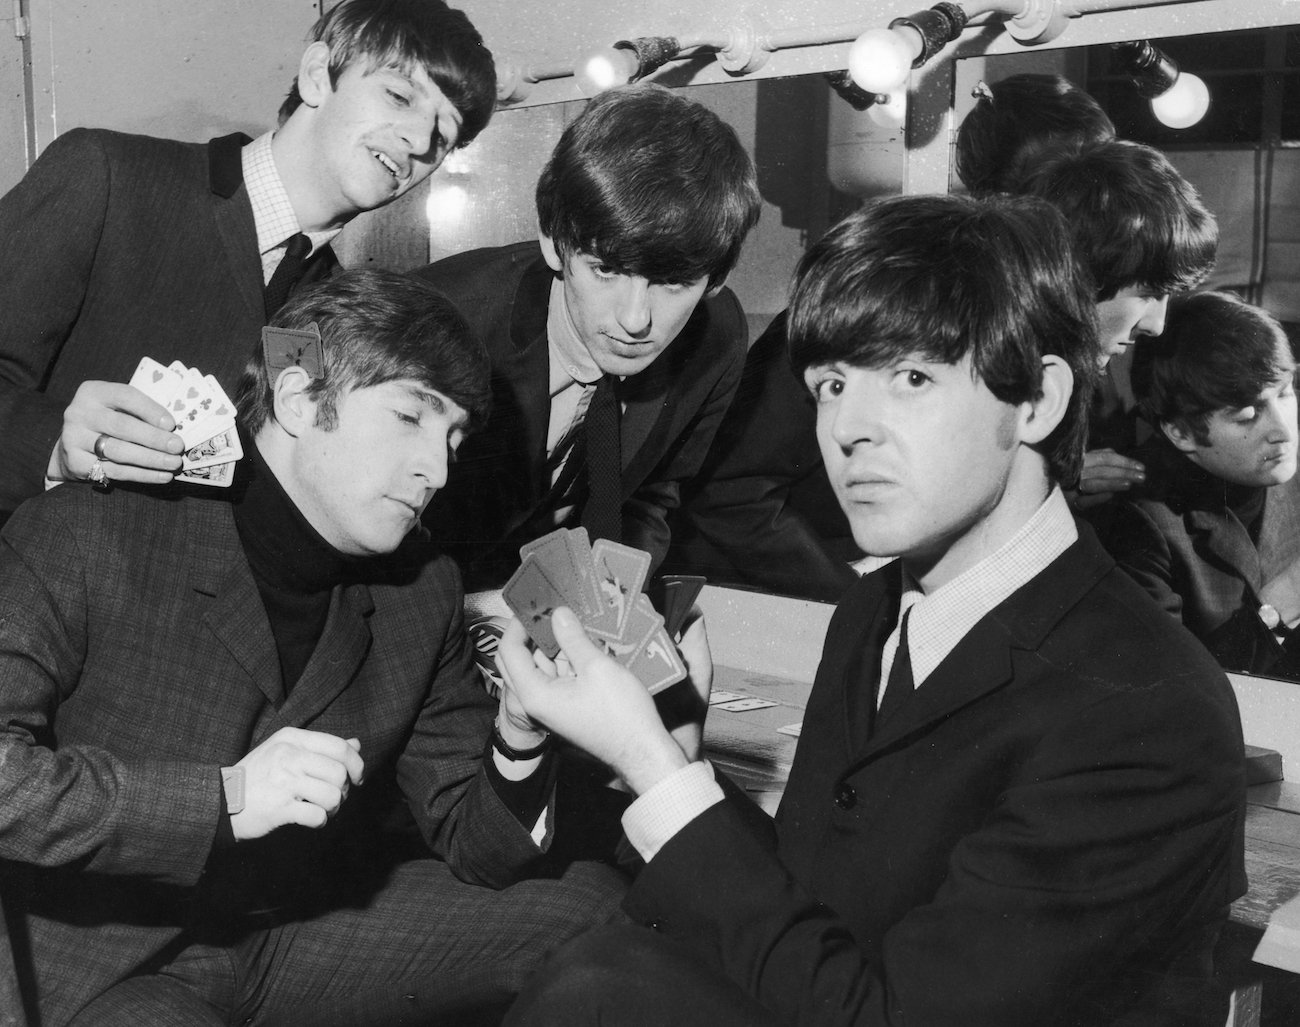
x: 672, y: 411
x: 1049, y: 831
x: 137, y: 660
x: 1178, y: 539
x: 761, y: 512
x: 117, y: 247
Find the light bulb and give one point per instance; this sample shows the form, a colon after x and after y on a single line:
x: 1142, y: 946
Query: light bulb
x: 446, y: 206
x: 605, y: 69
x: 880, y: 61
x: 889, y: 111
x: 1184, y: 103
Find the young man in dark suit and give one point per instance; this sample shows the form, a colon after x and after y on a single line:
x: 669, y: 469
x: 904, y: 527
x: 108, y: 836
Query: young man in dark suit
x: 1214, y: 532
x: 121, y: 246
x: 245, y: 774
x: 1018, y: 793
x: 615, y: 346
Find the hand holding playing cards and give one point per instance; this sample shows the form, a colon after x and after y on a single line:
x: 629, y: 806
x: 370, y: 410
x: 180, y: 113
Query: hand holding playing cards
x: 601, y: 706
x: 295, y: 777
x: 141, y: 445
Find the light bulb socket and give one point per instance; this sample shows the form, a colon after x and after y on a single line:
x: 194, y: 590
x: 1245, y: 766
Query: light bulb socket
x: 850, y: 92
x: 937, y: 27
x: 652, y: 52
x: 1152, y: 71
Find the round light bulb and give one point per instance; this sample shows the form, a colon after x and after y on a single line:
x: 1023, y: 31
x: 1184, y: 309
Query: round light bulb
x: 889, y: 111
x: 1184, y: 103
x: 880, y: 61
x: 605, y: 69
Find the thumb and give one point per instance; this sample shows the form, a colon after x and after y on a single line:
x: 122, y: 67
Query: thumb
x: 573, y: 639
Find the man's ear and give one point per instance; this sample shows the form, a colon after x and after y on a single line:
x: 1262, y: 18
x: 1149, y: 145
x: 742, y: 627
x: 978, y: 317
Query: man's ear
x: 549, y: 253
x: 295, y: 411
x: 1179, y: 436
x: 713, y: 290
x: 314, y: 74
x: 1040, y: 417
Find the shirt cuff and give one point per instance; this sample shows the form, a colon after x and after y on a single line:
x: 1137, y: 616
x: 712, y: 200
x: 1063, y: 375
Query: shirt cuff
x: 669, y: 806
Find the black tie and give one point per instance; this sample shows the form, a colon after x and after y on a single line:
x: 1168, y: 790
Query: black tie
x: 603, y: 514
x: 900, y: 686
x: 287, y: 273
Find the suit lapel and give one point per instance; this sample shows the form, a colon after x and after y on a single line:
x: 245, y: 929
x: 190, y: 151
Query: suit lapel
x: 338, y: 656
x: 233, y: 218
x: 232, y: 608
x: 1279, y: 542
x: 1221, y: 535
x: 983, y: 661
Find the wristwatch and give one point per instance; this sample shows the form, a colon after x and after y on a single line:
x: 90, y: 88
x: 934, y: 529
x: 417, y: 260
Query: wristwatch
x: 232, y: 780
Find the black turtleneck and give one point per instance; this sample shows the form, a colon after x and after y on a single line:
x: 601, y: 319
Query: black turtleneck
x: 294, y: 568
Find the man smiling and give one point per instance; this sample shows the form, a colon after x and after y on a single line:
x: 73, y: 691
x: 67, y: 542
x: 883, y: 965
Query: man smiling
x: 615, y: 347
x: 121, y: 246
x: 990, y: 819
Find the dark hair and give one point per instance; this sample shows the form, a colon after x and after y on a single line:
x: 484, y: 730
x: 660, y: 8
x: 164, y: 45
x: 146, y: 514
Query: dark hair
x: 1217, y: 352
x: 411, y: 33
x: 1017, y: 111
x: 1136, y: 221
x: 376, y: 327
x: 948, y: 277
x: 651, y: 183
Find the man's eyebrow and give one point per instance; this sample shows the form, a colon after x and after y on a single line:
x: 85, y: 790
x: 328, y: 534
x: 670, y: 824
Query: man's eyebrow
x: 437, y: 403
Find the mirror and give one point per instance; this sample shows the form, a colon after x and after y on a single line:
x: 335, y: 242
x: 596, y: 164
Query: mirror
x: 817, y: 158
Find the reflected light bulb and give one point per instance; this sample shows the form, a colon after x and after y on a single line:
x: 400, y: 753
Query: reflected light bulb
x: 446, y: 205
x: 880, y: 61
x: 889, y: 111
x: 605, y: 69
x: 1184, y: 103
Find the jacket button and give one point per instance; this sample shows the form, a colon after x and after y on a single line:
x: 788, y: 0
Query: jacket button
x: 845, y: 796
x: 656, y: 925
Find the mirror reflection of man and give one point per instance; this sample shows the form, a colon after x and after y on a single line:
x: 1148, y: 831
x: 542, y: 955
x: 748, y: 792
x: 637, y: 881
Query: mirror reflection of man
x: 1142, y: 234
x: 615, y: 347
x: 245, y: 770
x: 121, y: 246
x: 991, y: 819
x: 1214, y: 532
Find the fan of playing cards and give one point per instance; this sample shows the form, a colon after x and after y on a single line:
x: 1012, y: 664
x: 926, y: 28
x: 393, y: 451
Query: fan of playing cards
x: 204, y: 416
x: 602, y: 583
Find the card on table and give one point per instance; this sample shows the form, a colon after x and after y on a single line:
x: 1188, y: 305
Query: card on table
x: 602, y: 583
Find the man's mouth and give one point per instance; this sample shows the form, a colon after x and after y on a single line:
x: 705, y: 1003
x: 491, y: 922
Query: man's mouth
x: 389, y: 164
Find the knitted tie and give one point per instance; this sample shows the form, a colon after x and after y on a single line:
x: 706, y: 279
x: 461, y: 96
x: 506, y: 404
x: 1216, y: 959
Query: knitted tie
x: 287, y: 274
x: 602, y: 515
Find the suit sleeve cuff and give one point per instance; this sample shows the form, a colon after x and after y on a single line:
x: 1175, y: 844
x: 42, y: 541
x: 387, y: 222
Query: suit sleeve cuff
x: 669, y: 806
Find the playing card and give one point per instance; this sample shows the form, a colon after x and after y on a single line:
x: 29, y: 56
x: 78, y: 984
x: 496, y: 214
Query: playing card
x: 680, y: 592
x: 221, y: 448
x: 555, y: 555
x: 739, y: 705
x: 533, y: 598
x: 657, y: 663
x: 212, y: 474
x: 620, y: 575
x: 717, y: 697
x: 642, y: 622
x: 155, y: 381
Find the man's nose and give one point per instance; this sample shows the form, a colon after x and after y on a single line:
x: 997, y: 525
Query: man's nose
x: 634, y: 305
x: 1153, y: 318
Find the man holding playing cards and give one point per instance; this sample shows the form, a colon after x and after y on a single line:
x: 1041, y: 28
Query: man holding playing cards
x: 1018, y: 794
x: 245, y: 771
x: 121, y: 246
x: 615, y: 347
